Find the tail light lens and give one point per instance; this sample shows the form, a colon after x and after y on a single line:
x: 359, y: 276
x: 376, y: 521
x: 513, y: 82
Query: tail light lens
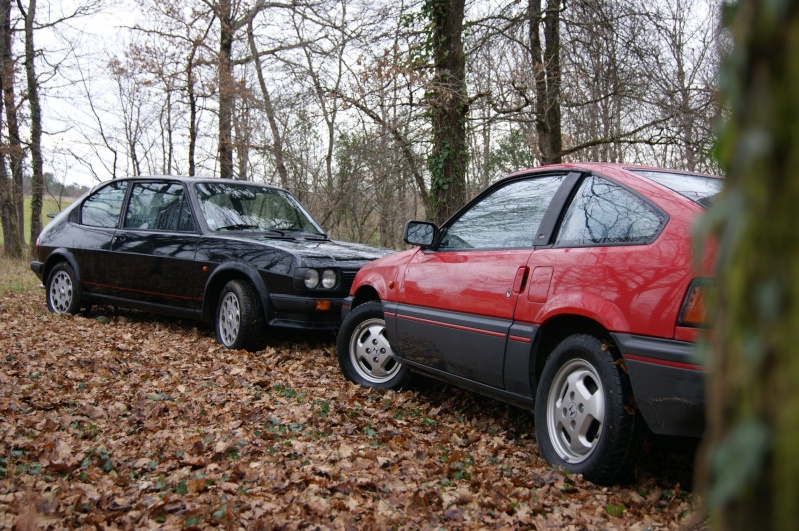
x: 695, y: 304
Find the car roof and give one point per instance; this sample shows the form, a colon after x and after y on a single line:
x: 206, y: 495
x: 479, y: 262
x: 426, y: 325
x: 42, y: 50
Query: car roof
x: 609, y: 167
x: 187, y: 179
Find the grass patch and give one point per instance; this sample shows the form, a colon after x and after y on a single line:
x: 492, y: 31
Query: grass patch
x: 16, y: 275
x: 49, y: 206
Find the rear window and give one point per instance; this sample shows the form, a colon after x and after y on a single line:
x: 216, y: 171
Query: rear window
x: 701, y: 189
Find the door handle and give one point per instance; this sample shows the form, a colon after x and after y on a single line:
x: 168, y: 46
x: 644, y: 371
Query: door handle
x: 120, y: 237
x: 521, y: 279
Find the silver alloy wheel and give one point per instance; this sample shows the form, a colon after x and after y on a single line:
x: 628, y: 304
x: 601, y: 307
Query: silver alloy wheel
x: 229, y: 318
x: 370, y: 352
x: 575, y: 411
x: 61, y: 292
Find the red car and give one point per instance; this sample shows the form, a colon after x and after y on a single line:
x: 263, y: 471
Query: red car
x: 570, y: 290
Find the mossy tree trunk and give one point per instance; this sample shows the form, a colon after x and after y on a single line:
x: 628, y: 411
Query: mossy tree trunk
x: 546, y: 72
x: 448, y: 109
x: 11, y: 198
x: 37, y: 169
x: 751, y: 461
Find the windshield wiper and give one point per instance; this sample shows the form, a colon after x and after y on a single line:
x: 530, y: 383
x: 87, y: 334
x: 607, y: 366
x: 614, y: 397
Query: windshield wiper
x: 238, y: 226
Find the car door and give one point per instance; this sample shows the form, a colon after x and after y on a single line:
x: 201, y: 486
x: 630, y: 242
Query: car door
x: 154, y: 250
x: 457, y: 299
x: 98, y: 217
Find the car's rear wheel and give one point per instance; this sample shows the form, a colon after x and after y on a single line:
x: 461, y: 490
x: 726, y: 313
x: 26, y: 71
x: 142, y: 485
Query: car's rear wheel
x: 63, y: 290
x: 239, y: 317
x: 364, y: 353
x: 585, y: 421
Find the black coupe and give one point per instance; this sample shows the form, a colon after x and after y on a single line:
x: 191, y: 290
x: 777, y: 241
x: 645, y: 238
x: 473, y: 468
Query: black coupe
x: 239, y: 254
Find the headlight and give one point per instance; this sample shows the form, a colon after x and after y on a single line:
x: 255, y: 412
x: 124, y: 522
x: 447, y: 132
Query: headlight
x: 311, y: 278
x: 329, y: 279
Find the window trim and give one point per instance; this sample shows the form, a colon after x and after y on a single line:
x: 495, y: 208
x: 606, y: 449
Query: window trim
x: 185, y: 199
x: 550, y: 219
x: 662, y: 214
x: 122, y: 209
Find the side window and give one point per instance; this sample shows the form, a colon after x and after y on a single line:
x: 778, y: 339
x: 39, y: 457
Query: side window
x: 102, y: 208
x: 603, y: 212
x: 507, y: 218
x: 158, y: 206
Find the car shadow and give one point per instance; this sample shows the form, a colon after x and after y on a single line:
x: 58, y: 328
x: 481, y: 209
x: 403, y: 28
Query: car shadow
x: 276, y: 337
x: 667, y: 462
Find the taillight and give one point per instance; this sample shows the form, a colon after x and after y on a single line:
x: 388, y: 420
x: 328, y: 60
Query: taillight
x: 694, y: 306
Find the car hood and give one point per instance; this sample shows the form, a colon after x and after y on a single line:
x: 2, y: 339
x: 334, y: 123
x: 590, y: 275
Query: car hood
x: 321, y: 249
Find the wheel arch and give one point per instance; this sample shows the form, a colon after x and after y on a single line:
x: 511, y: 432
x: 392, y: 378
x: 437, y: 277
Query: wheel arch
x: 365, y: 293
x: 56, y: 257
x: 558, y: 328
x: 224, y: 274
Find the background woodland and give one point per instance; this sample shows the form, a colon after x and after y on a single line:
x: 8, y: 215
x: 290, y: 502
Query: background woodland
x: 371, y: 112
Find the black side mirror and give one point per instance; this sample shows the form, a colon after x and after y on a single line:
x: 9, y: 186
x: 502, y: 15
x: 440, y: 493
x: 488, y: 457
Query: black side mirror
x: 420, y: 233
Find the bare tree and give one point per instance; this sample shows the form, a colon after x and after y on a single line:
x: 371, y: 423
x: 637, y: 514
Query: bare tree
x: 269, y: 109
x: 230, y: 22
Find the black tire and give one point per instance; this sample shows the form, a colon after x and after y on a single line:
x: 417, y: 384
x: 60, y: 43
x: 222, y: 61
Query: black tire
x: 63, y: 290
x: 239, y: 319
x: 585, y: 420
x: 364, y: 353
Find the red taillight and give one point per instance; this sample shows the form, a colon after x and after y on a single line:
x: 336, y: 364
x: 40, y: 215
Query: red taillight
x: 694, y: 306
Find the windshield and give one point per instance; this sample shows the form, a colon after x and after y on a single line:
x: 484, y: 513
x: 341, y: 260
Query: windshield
x: 243, y: 207
x: 701, y: 189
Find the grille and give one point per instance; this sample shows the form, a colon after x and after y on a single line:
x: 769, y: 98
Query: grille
x: 347, y: 278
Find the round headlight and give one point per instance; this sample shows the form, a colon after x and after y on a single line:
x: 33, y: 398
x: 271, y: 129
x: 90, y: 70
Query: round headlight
x: 311, y: 278
x: 329, y: 279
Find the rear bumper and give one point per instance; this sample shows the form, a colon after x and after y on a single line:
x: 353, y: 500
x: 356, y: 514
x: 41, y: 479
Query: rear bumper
x: 38, y: 269
x: 668, y: 383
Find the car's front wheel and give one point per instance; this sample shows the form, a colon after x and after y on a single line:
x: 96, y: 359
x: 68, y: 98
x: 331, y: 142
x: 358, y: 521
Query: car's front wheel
x: 63, y: 290
x: 585, y: 421
x: 364, y: 353
x: 239, y: 317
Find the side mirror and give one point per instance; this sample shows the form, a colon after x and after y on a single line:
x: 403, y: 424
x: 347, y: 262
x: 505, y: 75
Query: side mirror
x: 420, y: 233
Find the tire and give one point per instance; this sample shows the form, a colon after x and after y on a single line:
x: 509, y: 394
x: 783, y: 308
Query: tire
x: 239, y: 317
x: 585, y: 420
x: 364, y: 353
x: 63, y: 290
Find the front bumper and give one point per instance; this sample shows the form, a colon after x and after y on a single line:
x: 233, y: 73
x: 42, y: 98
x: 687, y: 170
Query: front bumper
x: 290, y: 311
x: 668, y: 383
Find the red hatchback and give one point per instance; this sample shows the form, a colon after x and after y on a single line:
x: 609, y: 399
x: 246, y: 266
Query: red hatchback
x: 570, y: 290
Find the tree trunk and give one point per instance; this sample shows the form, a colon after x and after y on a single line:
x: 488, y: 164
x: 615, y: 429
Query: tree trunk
x: 226, y: 89
x: 14, y: 148
x: 448, y: 107
x: 37, y: 172
x: 192, y: 95
x: 752, y: 440
x: 12, y: 241
x: 547, y: 78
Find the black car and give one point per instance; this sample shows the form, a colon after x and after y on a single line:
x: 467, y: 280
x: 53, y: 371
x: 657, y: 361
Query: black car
x: 240, y: 254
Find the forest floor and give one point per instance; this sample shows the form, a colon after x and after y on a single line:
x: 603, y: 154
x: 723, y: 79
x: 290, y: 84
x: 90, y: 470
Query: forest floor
x: 120, y: 419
